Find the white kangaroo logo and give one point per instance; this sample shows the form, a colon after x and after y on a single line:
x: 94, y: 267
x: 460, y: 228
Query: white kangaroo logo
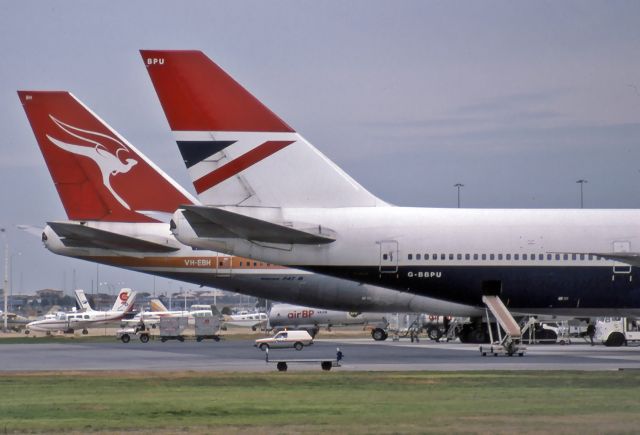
x: 108, y: 162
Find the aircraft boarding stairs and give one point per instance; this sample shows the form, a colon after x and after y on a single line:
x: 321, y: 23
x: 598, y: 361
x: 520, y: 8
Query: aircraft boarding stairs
x: 511, y: 343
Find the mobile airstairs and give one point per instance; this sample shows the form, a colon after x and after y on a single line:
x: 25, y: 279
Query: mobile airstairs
x: 511, y: 343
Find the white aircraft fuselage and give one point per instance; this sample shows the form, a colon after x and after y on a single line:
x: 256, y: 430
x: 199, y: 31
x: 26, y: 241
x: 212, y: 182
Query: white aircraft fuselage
x: 545, y: 261
x: 255, y: 278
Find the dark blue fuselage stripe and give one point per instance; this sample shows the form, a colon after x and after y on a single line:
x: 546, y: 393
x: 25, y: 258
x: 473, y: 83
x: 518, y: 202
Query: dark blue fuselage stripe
x: 522, y: 287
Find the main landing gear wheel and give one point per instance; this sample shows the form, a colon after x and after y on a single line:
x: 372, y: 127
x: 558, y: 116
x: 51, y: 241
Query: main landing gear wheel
x: 434, y: 333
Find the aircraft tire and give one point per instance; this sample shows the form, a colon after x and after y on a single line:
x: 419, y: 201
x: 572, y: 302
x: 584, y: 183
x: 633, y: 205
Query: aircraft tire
x: 298, y: 346
x: 434, y: 333
x: 378, y: 334
x: 125, y: 338
x: 144, y: 338
x: 615, y: 339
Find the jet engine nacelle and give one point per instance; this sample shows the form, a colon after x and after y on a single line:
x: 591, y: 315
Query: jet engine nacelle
x: 52, y: 241
x: 184, y: 232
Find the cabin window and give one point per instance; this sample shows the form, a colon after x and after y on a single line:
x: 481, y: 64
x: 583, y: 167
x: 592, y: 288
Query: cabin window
x: 442, y: 256
x: 484, y: 256
x: 516, y: 256
x: 410, y: 257
x: 475, y: 256
x: 590, y: 256
x: 557, y: 257
x: 450, y: 256
x: 524, y: 256
x: 581, y: 257
x: 459, y: 256
x: 499, y: 256
x: 467, y: 256
x: 418, y: 256
x: 574, y: 257
x: 508, y: 256
x: 434, y: 256
x: 86, y: 316
x: 385, y: 256
x: 533, y: 257
x: 492, y: 257
x: 565, y: 257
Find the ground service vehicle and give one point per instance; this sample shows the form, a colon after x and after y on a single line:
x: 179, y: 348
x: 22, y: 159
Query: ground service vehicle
x: 616, y: 331
x: 284, y: 339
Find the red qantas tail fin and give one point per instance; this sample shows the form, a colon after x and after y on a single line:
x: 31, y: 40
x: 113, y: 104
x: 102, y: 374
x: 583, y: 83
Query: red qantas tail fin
x: 98, y: 174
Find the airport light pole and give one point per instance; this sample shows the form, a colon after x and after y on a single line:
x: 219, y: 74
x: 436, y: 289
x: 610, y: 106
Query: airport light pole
x: 11, y: 274
x: 581, y: 182
x: 458, y: 186
x: 5, y: 288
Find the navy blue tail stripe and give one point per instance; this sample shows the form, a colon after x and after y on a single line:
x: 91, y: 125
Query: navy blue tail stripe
x: 193, y: 152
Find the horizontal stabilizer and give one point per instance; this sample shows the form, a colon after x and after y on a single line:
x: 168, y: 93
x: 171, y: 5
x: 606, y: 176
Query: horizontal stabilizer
x: 227, y: 224
x: 75, y: 235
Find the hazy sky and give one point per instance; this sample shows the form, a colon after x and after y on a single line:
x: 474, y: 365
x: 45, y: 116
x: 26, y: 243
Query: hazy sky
x: 515, y: 100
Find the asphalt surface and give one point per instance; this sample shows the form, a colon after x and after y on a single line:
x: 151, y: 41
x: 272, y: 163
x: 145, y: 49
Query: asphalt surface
x: 359, y: 354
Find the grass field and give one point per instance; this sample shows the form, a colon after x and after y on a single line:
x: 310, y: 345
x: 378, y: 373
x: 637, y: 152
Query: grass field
x: 319, y: 402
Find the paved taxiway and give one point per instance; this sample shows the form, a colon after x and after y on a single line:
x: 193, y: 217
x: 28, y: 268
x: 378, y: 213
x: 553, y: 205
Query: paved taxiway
x: 360, y: 354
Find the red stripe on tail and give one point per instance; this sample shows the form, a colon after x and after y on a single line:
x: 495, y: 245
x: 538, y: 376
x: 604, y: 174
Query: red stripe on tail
x: 243, y: 162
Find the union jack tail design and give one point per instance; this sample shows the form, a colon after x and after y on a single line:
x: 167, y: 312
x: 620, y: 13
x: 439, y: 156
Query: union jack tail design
x: 237, y: 151
x: 98, y: 174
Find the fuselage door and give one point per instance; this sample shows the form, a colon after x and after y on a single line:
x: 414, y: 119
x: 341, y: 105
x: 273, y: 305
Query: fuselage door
x: 388, y: 256
x: 224, y: 265
x: 618, y: 267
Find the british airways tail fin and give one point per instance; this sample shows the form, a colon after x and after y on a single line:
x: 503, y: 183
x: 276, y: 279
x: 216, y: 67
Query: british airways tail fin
x: 98, y: 174
x: 237, y: 151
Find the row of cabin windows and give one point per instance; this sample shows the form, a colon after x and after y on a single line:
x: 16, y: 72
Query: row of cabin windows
x: 524, y: 257
x: 248, y: 264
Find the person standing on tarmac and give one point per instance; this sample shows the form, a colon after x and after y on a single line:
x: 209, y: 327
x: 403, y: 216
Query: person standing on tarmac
x: 591, y: 332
